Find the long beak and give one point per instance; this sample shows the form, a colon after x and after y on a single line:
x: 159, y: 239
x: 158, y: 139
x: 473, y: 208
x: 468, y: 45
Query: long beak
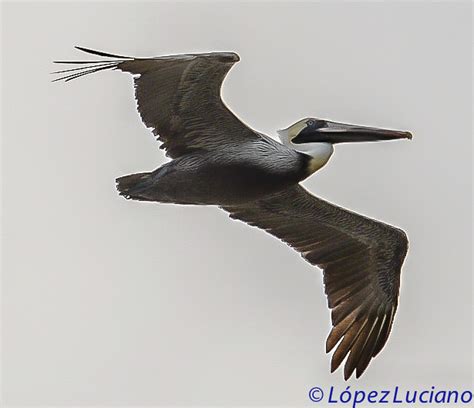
x: 335, y: 132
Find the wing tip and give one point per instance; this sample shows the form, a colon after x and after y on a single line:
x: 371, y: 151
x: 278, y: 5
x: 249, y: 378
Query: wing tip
x: 229, y: 56
x: 235, y: 56
x: 359, y: 372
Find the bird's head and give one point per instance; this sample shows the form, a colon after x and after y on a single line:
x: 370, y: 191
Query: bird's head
x: 317, y: 137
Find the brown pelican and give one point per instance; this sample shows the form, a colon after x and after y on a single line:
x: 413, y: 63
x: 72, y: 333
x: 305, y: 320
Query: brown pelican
x: 218, y: 160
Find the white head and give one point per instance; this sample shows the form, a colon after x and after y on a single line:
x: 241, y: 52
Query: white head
x: 319, y: 151
x: 316, y: 138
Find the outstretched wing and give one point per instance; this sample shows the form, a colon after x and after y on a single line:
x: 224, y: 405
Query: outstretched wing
x: 361, y: 260
x: 178, y: 97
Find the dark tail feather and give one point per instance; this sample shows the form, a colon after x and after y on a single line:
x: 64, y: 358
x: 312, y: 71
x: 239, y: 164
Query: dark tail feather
x: 89, y: 67
x: 135, y: 186
x: 82, y: 71
x: 102, y: 53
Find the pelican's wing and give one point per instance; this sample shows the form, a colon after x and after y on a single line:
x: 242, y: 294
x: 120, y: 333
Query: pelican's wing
x: 361, y: 260
x: 178, y: 97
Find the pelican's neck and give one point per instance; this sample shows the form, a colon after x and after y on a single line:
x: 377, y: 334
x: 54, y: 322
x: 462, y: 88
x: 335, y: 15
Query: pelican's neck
x: 319, y: 152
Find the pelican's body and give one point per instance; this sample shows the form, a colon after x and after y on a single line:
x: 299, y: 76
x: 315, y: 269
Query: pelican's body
x: 223, y: 178
x: 218, y: 160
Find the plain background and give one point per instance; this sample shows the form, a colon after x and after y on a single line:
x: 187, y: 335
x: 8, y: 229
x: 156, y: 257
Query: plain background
x: 107, y: 301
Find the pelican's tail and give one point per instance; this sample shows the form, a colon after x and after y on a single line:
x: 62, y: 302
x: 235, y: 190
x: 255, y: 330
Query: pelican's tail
x: 136, y: 186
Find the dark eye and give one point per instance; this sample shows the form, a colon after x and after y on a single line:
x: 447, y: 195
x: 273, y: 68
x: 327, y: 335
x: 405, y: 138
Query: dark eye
x: 310, y: 122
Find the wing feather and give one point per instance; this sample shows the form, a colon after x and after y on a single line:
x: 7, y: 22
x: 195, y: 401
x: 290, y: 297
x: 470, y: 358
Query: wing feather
x: 361, y: 261
x: 178, y: 98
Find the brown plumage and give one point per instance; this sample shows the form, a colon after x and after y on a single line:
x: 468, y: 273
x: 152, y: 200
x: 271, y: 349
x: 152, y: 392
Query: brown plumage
x: 178, y: 97
x: 361, y: 260
x: 219, y: 160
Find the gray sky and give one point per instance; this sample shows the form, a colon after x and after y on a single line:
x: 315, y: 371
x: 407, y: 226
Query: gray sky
x: 108, y: 301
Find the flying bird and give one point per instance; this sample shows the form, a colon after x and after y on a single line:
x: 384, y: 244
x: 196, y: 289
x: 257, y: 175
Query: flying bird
x: 218, y: 160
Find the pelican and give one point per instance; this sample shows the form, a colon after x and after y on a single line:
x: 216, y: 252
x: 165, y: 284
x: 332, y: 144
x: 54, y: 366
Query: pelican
x: 218, y: 160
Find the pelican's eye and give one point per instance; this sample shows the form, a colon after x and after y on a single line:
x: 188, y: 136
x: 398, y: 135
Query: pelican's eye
x: 316, y: 123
